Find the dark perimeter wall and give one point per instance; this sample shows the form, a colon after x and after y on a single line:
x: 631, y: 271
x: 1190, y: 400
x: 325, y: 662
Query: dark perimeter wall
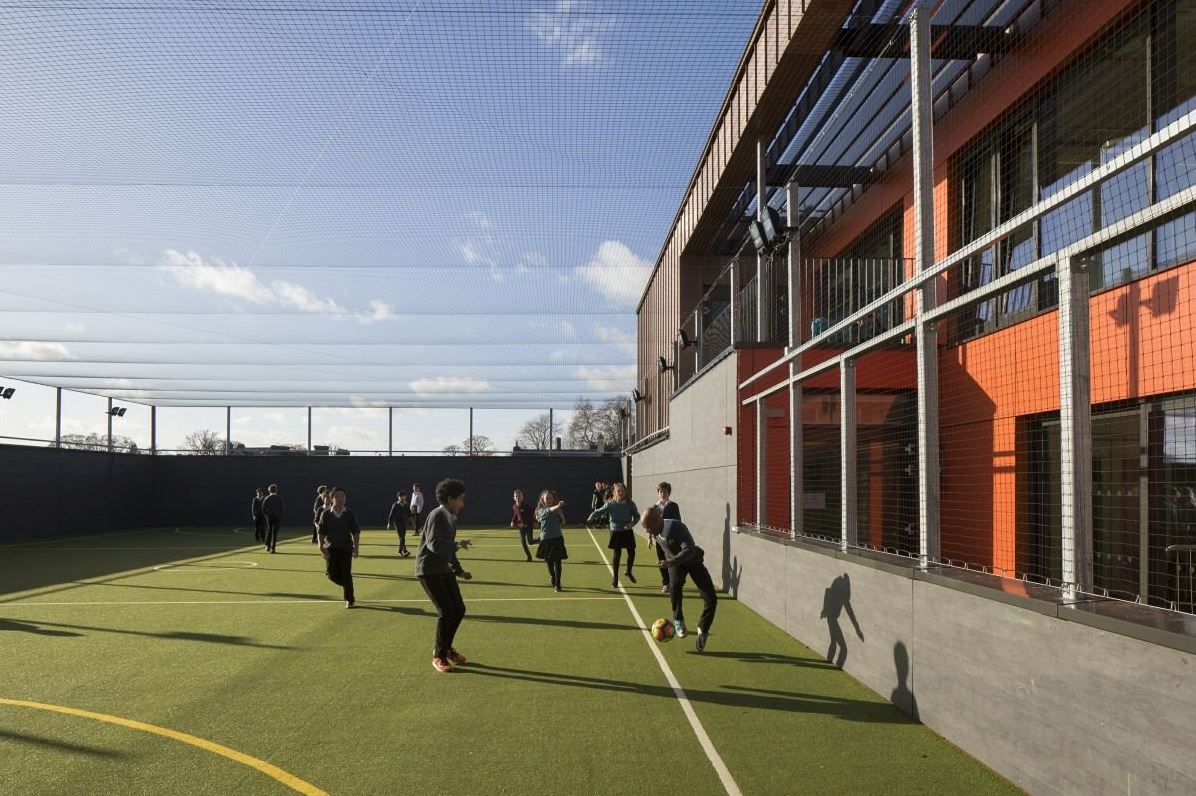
x: 79, y: 492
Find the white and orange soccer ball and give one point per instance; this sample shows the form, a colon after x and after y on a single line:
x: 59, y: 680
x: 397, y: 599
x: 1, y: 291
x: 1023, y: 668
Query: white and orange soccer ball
x: 662, y: 630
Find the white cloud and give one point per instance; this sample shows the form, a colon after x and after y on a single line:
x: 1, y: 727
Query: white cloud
x: 616, y: 272
x: 607, y: 377
x: 233, y: 281
x: 34, y: 350
x: 361, y: 401
x: 480, y: 252
x: 574, y: 31
x: 565, y: 329
x: 479, y: 218
x: 448, y: 384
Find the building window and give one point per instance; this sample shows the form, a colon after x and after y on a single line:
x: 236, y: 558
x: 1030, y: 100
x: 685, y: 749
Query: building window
x: 1138, y: 78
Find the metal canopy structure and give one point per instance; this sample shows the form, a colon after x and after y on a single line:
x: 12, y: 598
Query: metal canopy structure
x: 851, y: 121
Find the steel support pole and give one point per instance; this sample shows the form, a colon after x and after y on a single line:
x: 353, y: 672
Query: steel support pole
x: 228, y: 430
x: 153, y: 431
x: 110, y: 425
x: 552, y: 431
x: 795, y: 298
x: 849, y: 533
x: 926, y: 334
x: 735, y: 310
x: 1075, y: 426
x: 762, y: 290
x: 390, y: 431
x: 761, y: 462
x: 471, y: 431
x: 309, y: 431
x: 58, y: 417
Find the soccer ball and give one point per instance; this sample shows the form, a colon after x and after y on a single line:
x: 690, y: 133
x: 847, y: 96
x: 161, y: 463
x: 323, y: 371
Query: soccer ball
x: 662, y: 630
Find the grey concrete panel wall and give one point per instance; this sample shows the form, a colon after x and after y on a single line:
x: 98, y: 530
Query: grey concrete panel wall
x: 698, y: 459
x: 1058, y: 707
x: 75, y: 492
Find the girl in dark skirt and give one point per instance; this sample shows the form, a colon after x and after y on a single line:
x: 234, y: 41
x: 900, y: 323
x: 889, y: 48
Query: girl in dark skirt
x: 622, y: 515
x: 550, y: 513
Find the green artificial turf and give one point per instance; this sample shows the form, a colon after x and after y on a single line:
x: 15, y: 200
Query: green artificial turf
x: 562, y: 694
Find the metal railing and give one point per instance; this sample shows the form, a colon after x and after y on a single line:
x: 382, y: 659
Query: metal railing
x: 1184, y: 557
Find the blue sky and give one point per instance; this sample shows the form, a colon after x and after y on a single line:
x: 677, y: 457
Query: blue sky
x: 426, y: 205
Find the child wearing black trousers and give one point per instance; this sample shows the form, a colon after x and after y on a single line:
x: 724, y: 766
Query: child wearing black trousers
x: 259, y: 518
x: 437, y: 568
x: 317, y: 507
x: 399, y: 519
x: 521, y: 518
x: 339, y: 536
x: 668, y: 511
x: 622, y: 516
x: 272, y: 508
x: 550, y: 513
x: 683, y: 558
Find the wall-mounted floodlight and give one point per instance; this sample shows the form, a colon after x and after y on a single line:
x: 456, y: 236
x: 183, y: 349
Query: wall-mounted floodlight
x: 683, y: 338
x: 636, y: 396
x: 662, y: 365
x: 118, y: 411
x: 7, y: 392
x: 773, y: 228
x: 756, y: 233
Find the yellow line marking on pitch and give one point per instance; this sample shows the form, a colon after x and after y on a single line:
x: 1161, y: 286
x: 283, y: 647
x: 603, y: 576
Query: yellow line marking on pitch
x: 272, y: 771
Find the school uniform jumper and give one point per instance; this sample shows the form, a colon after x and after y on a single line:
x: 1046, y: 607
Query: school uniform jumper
x: 437, y: 567
x: 341, y: 531
x: 400, y: 518
x: 315, y: 517
x: 259, y: 519
x: 272, y: 508
x: 417, y: 510
x: 552, y: 543
x: 522, y: 518
x: 668, y: 511
x: 622, y: 518
x: 685, y: 559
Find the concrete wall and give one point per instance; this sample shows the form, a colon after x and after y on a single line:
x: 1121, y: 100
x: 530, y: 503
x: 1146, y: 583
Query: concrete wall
x: 1057, y: 706
x: 79, y: 492
x: 698, y: 459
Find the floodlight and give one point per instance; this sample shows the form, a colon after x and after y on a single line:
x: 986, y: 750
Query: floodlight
x: 772, y: 227
x: 7, y: 392
x: 662, y: 365
x: 635, y: 396
x: 756, y: 233
x: 117, y: 411
x: 683, y: 338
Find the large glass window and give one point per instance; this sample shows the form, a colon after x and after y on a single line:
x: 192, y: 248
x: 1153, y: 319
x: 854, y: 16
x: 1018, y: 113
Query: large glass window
x: 1139, y: 77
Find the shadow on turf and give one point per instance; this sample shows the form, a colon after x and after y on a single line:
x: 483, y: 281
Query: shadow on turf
x: 47, y: 629
x: 737, y: 696
x: 768, y: 657
x: 34, y: 740
x: 506, y: 620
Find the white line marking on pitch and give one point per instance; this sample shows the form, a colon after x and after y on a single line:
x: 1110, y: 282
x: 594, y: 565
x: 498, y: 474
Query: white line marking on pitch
x: 312, y: 601
x: 200, y: 566
x: 707, y: 746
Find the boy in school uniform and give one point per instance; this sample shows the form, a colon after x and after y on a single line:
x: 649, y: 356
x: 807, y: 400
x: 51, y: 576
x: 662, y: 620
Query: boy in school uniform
x: 399, y: 519
x: 417, y: 507
x: 668, y: 511
x: 437, y: 568
x: 340, y: 538
x: 259, y: 518
x: 683, y: 558
x: 321, y: 491
x: 272, y: 508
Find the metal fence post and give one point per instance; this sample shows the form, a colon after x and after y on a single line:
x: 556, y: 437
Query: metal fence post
x: 1075, y: 426
x: 849, y: 533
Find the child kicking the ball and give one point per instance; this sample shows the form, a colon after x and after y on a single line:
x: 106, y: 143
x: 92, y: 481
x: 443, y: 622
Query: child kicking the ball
x: 550, y: 513
x: 683, y: 559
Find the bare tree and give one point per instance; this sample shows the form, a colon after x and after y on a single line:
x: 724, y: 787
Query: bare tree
x: 536, y: 435
x: 480, y: 444
x: 204, y: 443
x: 591, y: 427
x: 95, y: 442
x: 452, y: 450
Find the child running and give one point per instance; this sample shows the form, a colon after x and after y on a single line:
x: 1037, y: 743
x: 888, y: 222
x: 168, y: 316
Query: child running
x: 340, y: 539
x: 399, y: 519
x: 550, y: 512
x: 437, y: 568
x: 521, y: 518
x: 623, y: 515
